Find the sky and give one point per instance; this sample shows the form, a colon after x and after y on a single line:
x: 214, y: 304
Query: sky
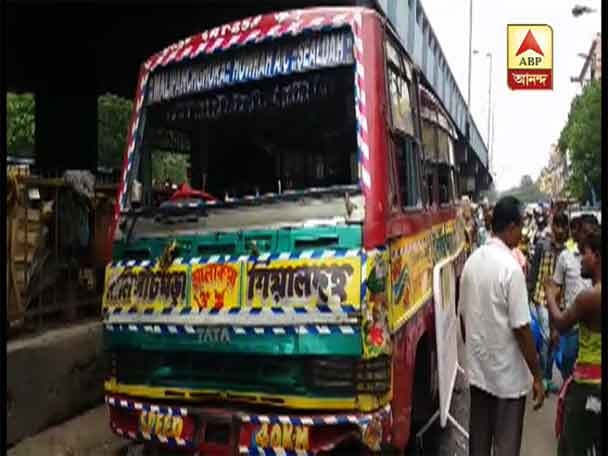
x: 526, y: 123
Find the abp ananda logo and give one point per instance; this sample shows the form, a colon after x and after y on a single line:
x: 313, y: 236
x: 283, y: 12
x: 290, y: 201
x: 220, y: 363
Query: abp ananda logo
x: 529, y: 56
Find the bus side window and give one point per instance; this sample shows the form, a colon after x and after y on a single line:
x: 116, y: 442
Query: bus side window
x: 429, y: 141
x: 406, y: 153
x: 445, y: 168
x: 431, y: 182
x: 403, y: 127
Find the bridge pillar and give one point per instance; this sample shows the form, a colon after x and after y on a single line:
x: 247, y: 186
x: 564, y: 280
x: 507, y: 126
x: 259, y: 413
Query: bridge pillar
x: 66, y: 130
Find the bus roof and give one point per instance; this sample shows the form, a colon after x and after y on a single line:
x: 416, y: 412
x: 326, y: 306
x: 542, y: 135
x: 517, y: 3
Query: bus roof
x: 256, y: 29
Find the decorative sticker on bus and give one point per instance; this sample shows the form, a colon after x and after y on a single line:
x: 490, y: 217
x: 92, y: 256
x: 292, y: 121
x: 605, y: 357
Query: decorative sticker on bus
x: 444, y: 240
x: 304, y: 282
x: 215, y: 286
x: 314, y: 52
x: 146, y: 287
x: 372, y: 434
x: 160, y: 425
x: 285, y: 436
x: 411, y: 276
x: 375, y: 334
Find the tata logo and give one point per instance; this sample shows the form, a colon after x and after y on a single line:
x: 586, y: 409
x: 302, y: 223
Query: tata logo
x: 529, y: 56
x: 214, y: 335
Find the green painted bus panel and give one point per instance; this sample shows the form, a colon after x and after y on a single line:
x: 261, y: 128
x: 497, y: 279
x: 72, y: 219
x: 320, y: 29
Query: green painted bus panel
x: 221, y: 342
x: 241, y: 243
x: 290, y: 377
x: 276, y: 364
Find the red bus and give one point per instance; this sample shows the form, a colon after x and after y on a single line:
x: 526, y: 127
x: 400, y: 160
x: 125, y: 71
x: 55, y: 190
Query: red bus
x: 282, y: 301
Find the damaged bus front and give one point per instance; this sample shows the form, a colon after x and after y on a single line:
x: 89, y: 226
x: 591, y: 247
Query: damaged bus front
x: 247, y: 305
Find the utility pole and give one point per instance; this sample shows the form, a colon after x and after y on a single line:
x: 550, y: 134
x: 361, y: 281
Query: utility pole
x: 489, y: 55
x: 490, y: 130
x: 470, y: 52
x: 491, y: 147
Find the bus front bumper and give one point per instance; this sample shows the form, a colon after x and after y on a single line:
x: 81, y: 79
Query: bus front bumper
x: 227, y: 431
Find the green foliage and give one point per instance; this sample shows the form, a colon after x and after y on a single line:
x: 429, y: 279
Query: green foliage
x: 113, y: 116
x: 528, y: 192
x: 526, y: 181
x: 581, y: 137
x: 168, y: 165
x: 20, y: 122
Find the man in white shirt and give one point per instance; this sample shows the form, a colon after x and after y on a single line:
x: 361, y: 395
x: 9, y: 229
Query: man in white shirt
x: 501, y: 357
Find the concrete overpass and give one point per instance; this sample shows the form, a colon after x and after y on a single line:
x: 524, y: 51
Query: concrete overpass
x: 67, y: 54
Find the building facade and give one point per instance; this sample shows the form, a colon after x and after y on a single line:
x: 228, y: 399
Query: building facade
x: 554, y: 176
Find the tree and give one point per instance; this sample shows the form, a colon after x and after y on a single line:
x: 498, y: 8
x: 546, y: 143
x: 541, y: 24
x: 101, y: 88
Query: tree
x: 113, y: 116
x: 169, y: 165
x: 20, y: 124
x: 581, y: 137
x: 526, y: 181
x: 527, y: 192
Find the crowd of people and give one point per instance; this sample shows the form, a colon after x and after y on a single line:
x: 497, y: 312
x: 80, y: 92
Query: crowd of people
x: 530, y: 295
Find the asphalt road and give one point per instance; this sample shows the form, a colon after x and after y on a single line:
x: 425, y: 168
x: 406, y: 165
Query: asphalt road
x: 539, y: 428
x: 538, y: 437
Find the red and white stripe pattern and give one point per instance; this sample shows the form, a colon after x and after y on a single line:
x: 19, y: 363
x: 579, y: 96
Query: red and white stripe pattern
x: 362, y: 130
x: 270, y: 26
x: 171, y: 441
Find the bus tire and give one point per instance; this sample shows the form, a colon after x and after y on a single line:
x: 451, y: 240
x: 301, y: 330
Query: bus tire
x: 425, y: 400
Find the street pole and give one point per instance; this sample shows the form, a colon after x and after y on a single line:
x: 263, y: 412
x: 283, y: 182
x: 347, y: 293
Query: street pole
x: 490, y: 131
x: 470, y: 52
x: 491, y: 147
x: 489, y: 55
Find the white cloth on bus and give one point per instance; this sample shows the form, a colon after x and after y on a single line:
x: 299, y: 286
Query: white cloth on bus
x: 494, y: 301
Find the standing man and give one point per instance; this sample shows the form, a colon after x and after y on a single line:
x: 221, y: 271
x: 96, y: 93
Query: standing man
x: 575, y: 228
x: 578, y: 424
x: 542, y: 267
x: 485, y: 226
x: 502, y: 361
x: 569, y: 283
x: 588, y: 222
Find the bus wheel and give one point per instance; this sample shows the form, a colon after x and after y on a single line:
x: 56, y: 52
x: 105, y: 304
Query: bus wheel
x: 425, y: 401
x: 424, y: 398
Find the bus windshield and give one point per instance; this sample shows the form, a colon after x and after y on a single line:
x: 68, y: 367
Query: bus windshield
x: 243, y: 140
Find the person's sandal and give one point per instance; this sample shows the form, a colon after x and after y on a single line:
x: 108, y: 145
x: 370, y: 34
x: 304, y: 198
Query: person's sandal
x: 553, y: 388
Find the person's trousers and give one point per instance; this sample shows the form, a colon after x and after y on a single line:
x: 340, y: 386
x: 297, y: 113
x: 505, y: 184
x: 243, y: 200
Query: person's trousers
x: 547, y: 351
x: 568, y: 346
x: 582, y: 427
x: 495, y: 424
